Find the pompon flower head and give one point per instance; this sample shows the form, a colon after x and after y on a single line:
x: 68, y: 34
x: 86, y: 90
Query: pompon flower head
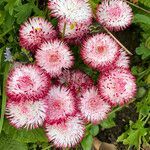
x: 27, y: 82
x: 93, y: 108
x: 66, y: 134
x: 114, y: 14
x: 34, y: 32
x: 71, y: 10
x: 117, y: 86
x: 75, y: 80
x: 53, y: 56
x: 100, y: 51
x: 74, y: 32
x: 27, y: 114
x: 123, y: 60
x: 61, y: 104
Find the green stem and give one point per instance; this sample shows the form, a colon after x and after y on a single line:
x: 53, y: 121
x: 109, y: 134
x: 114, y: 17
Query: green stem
x: 115, y: 110
x: 146, y: 119
x: 64, y: 29
x: 137, y: 6
x: 7, y: 67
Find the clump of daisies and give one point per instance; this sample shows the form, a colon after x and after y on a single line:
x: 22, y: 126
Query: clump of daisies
x: 51, y: 92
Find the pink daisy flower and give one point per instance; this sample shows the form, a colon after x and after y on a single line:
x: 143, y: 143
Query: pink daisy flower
x: 66, y: 134
x: 77, y: 81
x: 114, y: 14
x: 117, y: 86
x: 34, y: 32
x: 61, y: 104
x: 53, y: 56
x: 27, y: 114
x: 93, y: 108
x: 100, y: 51
x: 74, y: 32
x: 76, y: 11
x: 123, y: 60
x: 27, y: 82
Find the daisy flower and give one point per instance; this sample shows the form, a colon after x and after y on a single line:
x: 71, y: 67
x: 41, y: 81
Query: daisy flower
x: 74, y: 32
x: 53, y: 56
x: 27, y: 114
x: 93, y: 108
x: 114, y: 14
x: 34, y: 32
x: 123, y: 60
x: 27, y: 82
x: 100, y: 51
x: 77, y: 81
x: 61, y: 104
x: 76, y: 11
x: 66, y: 134
x: 117, y: 86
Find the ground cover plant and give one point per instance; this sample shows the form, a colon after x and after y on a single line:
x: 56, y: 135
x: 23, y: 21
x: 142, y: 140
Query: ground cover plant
x: 72, y: 70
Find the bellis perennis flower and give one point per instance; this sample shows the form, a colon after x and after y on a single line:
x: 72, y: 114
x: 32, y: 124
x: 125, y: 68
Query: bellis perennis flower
x: 74, y: 11
x: 93, y: 108
x: 27, y: 82
x: 34, y: 32
x: 53, y: 56
x: 75, y: 80
x: 66, y: 134
x: 117, y: 86
x: 114, y: 14
x: 28, y: 114
x: 100, y: 51
x: 61, y: 104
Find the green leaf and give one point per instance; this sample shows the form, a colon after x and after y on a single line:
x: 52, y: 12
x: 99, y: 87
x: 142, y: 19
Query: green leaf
x: 23, y: 135
x: 6, y: 71
x: 23, y: 12
x: 11, y: 4
x: 138, y: 18
x: 87, y: 142
x: 147, y: 43
x: 2, y: 16
x: 7, y: 143
x: 94, y: 130
x: 142, y: 50
x: 109, y: 122
x: 145, y: 2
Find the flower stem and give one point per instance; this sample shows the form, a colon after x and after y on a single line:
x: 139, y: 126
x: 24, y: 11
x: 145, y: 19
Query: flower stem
x: 147, y: 11
x: 117, y: 41
x: 64, y: 29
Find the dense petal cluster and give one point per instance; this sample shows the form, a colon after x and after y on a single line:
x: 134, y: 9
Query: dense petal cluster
x: 76, y: 80
x: 66, y: 134
x: 93, y: 108
x: 71, y: 10
x: 100, y: 51
x: 114, y: 14
x: 27, y: 82
x: 26, y: 114
x: 61, y: 104
x: 117, y: 86
x: 73, y: 98
x: 34, y: 32
x: 53, y: 56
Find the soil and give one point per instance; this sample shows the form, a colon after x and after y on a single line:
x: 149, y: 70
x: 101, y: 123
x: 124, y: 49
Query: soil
x: 122, y: 120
